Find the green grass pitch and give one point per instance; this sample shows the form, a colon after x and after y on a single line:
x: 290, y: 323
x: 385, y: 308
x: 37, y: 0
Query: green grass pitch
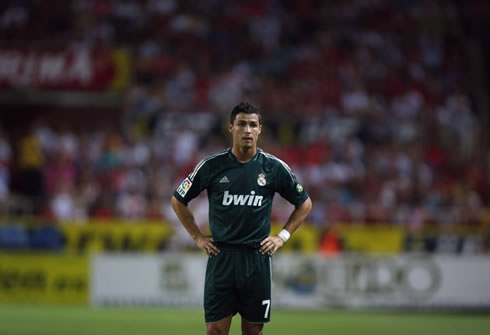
x: 70, y: 320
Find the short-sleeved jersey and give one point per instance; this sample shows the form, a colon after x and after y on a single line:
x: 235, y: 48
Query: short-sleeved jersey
x: 240, y: 194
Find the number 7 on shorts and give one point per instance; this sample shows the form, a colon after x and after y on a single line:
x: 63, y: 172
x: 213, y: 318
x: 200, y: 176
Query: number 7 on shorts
x: 268, y: 303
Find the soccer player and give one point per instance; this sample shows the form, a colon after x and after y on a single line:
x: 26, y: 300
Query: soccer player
x: 241, y: 183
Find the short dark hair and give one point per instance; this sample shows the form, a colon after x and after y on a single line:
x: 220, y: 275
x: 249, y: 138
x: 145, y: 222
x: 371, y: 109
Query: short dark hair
x: 244, y: 107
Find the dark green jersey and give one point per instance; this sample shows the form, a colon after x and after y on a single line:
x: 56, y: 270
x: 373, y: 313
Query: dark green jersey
x: 240, y: 194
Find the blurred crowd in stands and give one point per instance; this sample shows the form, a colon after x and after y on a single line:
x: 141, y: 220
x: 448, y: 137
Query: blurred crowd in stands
x: 374, y: 104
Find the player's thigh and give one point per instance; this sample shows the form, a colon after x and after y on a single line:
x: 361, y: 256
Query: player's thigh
x: 219, y: 300
x: 255, y: 290
x: 249, y: 328
x: 221, y: 327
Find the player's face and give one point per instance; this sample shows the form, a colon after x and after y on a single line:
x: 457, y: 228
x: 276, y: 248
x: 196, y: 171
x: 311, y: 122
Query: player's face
x: 245, y: 130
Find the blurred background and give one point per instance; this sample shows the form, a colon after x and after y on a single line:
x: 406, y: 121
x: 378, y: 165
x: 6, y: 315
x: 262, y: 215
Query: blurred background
x: 379, y: 106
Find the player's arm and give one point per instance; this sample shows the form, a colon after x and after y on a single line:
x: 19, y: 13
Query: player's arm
x: 186, y: 217
x: 274, y: 242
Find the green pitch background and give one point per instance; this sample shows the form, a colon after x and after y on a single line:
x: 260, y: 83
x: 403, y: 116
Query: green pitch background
x: 69, y: 320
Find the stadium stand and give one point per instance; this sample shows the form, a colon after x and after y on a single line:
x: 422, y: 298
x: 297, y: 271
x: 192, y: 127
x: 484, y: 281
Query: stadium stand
x: 380, y: 106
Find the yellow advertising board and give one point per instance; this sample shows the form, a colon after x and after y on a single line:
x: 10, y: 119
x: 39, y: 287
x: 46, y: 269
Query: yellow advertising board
x: 115, y: 236
x: 56, y: 279
x: 372, y: 238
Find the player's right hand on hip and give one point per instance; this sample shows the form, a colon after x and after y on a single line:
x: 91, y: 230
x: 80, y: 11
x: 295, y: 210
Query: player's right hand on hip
x: 205, y: 243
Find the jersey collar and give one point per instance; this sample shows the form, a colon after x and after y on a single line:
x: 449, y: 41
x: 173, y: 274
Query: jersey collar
x: 253, y: 159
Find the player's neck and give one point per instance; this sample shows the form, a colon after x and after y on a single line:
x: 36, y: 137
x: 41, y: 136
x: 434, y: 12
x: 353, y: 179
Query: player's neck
x: 243, y: 154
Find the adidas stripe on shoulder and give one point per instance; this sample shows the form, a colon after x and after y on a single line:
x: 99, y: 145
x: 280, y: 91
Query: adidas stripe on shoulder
x: 202, y: 162
x: 286, y: 167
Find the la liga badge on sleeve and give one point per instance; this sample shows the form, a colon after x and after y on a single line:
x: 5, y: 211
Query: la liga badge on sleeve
x: 184, y: 187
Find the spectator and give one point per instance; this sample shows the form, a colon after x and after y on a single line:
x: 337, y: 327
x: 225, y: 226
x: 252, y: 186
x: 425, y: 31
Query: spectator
x: 5, y: 157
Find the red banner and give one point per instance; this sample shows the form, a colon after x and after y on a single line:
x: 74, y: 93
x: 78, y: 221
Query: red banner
x: 77, y: 69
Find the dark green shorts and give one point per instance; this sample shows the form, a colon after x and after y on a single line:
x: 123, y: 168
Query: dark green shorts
x: 238, y: 280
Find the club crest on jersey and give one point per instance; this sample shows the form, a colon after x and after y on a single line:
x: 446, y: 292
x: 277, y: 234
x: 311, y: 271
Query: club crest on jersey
x: 184, y: 187
x: 261, y: 179
x: 299, y: 188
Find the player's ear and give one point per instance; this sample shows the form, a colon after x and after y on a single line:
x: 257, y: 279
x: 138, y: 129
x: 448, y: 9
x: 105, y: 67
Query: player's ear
x: 230, y: 127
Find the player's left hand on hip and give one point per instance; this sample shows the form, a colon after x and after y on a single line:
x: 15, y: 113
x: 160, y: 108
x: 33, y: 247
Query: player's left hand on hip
x: 271, y: 244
